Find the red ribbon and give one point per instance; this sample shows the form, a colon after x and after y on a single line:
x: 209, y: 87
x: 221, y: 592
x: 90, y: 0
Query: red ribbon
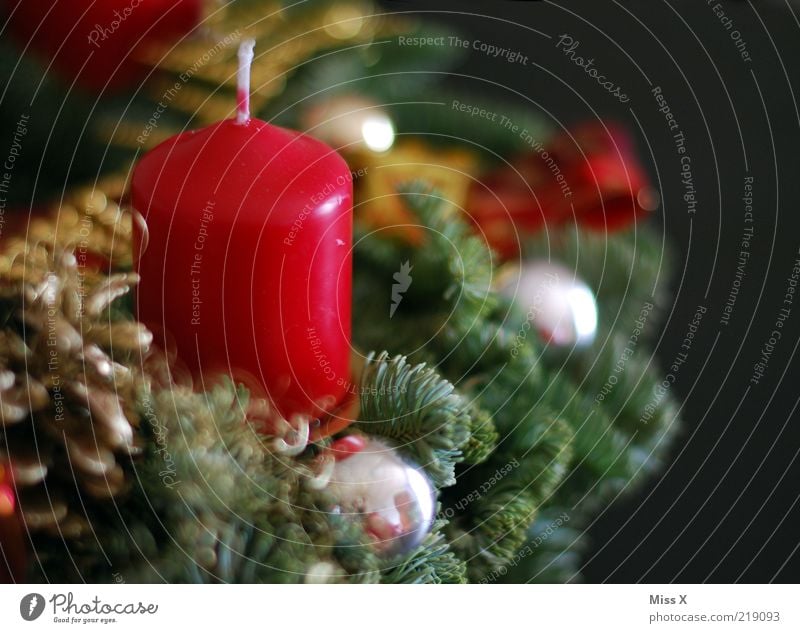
x: 590, y: 175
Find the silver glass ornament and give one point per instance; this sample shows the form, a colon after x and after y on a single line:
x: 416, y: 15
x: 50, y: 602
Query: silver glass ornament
x: 560, y: 307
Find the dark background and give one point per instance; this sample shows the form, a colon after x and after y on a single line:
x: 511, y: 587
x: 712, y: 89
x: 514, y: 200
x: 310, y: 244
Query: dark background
x: 726, y: 509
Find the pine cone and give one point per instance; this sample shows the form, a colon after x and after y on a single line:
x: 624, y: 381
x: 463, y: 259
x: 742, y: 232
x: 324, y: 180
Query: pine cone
x: 68, y: 376
x: 91, y: 224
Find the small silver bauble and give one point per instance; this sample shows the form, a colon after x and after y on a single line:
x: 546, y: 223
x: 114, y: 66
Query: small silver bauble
x: 556, y: 304
x: 394, y: 499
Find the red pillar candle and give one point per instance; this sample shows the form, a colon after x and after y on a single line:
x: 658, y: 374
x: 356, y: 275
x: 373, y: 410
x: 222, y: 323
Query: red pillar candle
x: 247, y: 258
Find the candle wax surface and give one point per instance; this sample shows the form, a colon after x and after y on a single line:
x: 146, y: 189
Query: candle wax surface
x: 247, y: 264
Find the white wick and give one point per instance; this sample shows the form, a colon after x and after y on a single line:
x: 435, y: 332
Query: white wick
x: 243, y: 81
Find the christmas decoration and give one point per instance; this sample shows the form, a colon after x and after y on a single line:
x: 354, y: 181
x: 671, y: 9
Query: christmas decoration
x: 351, y: 124
x: 248, y: 256
x: 12, y: 545
x: 226, y: 488
x: 90, y: 223
x: 96, y: 45
x: 61, y: 386
x: 553, y: 302
x: 611, y: 187
x: 394, y: 499
x: 383, y: 210
x: 589, y: 175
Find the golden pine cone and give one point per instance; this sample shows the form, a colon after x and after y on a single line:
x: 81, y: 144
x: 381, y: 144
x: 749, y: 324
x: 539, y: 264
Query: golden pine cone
x: 68, y: 364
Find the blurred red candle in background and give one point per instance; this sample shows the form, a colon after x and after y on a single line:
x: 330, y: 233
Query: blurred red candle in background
x: 247, y: 264
x: 96, y: 42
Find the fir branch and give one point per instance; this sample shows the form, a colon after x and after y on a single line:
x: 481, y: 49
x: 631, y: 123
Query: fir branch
x: 415, y: 407
x: 508, y: 492
x: 431, y: 562
x: 451, y: 292
x: 482, y: 437
x: 552, y: 552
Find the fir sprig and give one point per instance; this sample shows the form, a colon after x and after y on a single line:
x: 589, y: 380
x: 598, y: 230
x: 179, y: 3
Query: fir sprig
x: 422, y: 412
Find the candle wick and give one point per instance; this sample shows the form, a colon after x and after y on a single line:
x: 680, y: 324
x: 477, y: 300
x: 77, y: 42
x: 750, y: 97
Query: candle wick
x: 243, y: 81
